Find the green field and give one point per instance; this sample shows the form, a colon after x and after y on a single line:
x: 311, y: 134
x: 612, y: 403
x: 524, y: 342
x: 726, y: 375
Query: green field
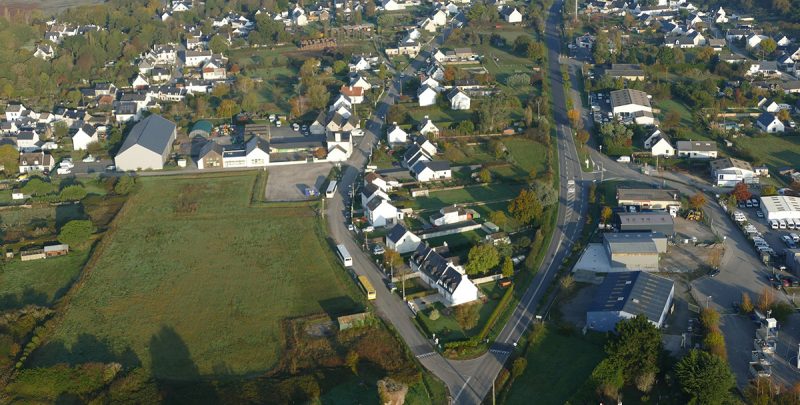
x: 774, y: 151
x: 195, y: 282
x: 527, y: 154
x: 558, y: 366
x: 668, y: 106
x: 488, y: 192
x: 38, y: 282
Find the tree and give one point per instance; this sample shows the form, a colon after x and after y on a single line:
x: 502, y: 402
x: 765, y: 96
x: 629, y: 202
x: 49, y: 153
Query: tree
x: 76, y: 233
x: 741, y: 192
x: 392, y: 258
x: 467, y: 315
x: 339, y: 67
x: 605, y: 214
x: 227, y: 108
x: 36, y: 187
x: 525, y: 208
x: 697, y: 201
x: 218, y: 44
x: 583, y: 137
x: 545, y: 192
x: 714, y: 343
x: 318, y: 96
x: 508, y: 267
x: 765, y: 299
x: 636, y: 348
x: 485, y: 176
x: 672, y: 120
x: 124, y: 185
x: 482, y: 258
x: 434, y: 314
x: 747, y: 305
x: 499, y: 218
x: 352, y: 361
x: 9, y: 159
x: 768, y: 46
x: 705, y: 378
x: 74, y: 192
x: 518, y: 367
x: 574, y: 117
x: 709, y: 318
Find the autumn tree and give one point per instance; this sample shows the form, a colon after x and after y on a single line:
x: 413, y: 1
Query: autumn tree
x: 747, y: 305
x: 467, y: 315
x: 697, y: 201
x: 499, y: 218
x: 485, y: 176
x: 508, y: 267
x: 582, y: 137
x: 574, y: 117
x: 765, y: 299
x: 525, y: 208
x: 605, y: 214
x: 741, y: 192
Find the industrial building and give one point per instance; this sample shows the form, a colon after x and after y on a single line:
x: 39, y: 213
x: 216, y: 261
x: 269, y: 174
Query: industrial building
x: 647, y: 221
x: 648, y: 198
x: 780, y: 207
x: 635, y: 250
x: 625, y: 295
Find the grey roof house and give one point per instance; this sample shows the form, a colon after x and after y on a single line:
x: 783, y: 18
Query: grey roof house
x: 147, y: 146
x: 628, y: 294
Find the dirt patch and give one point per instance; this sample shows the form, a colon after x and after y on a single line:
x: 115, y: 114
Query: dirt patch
x: 686, y: 258
x: 392, y: 392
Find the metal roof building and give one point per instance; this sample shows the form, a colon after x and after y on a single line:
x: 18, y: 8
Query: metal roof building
x: 780, y: 207
x: 634, y: 250
x: 148, y: 145
x: 650, y: 221
x: 625, y: 295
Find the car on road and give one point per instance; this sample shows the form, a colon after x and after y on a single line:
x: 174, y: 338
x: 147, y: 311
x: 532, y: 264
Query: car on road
x: 89, y: 159
x: 295, y: 127
x: 759, y: 214
x: 713, y: 273
x: 391, y: 286
x: 350, y: 227
x: 111, y: 168
x: 278, y: 123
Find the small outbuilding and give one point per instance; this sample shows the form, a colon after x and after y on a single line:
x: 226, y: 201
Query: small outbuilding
x: 201, y: 128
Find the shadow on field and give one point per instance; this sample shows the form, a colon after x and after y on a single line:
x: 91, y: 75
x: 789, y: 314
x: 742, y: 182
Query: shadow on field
x: 338, y: 306
x: 29, y: 296
x: 86, y: 349
x: 176, y: 374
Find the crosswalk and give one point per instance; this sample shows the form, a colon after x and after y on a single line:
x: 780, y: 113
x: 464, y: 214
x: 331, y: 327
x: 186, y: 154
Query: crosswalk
x: 500, y: 351
x: 424, y: 355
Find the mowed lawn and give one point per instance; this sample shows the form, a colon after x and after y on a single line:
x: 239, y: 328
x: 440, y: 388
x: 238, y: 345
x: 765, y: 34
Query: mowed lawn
x: 558, y: 366
x: 191, y: 257
x: 488, y: 192
x: 775, y: 151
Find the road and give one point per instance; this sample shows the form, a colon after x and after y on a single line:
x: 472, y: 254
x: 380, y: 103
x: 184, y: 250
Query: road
x: 470, y: 381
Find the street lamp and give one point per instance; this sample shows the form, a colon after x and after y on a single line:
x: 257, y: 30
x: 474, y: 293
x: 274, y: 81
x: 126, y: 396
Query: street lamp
x: 707, y: 301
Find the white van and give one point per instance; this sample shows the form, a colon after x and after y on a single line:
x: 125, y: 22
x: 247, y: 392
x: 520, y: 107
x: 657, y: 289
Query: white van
x: 790, y: 224
x: 781, y: 224
x: 773, y: 224
x: 796, y: 223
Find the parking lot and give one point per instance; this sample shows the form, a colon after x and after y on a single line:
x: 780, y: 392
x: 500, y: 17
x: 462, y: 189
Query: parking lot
x: 288, y: 183
x: 758, y: 229
x: 601, y: 107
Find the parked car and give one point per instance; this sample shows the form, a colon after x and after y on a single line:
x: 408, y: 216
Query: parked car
x: 759, y: 214
x: 378, y: 250
x: 713, y: 273
x: 295, y: 127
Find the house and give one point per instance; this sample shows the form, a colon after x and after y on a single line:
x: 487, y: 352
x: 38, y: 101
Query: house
x: 768, y: 105
x: 371, y: 191
x: 632, y: 106
x: 768, y: 122
x: 634, y: 250
x: 380, y: 212
x: 753, y: 40
x: 658, y: 144
x: 728, y: 172
x: 626, y: 295
x: 139, y: 82
x: 427, y: 170
x: 401, y: 240
x: 717, y: 44
x: 413, y: 155
x: 196, y: 58
x: 687, y: 40
x: 14, y: 112
x: 426, y: 145
x: 782, y: 40
x: 214, y: 69
x: 86, y: 134
x: 396, y: 135
x: 340, y: 146
x: 27, y: 141
x: 380, y: 182
x: 697, y: 149
x: 458, y: 99
x: 764, y: 68
x: 720, y: 17
x: 625, y: 71
x: 126, y: 111
x: 254, y: 153
x: 648, y: 198
x: 257, y: 152
x: 450, y: 214
x: 299, y: 17
x: 355, y: 94
x: 160, y: 75
x: 359, y: 63
x: 511, y: 14
x: 426, y: 127
x: 449, y: 280
x: 147, y: 146
x: 210, y: 156
x: 35, y: 162
x: 357, y: 80
x: 44, y: 51
x: 392, y: 5
x: 426, y: 96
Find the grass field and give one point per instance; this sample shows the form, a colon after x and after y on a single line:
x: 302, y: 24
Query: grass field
x: 195, y: 282
x: 773, y: 150
x: 668, y: 106
x: 527, y: 154
x: 550, y: 377
x: 38, y: 282
x: 490, y: 192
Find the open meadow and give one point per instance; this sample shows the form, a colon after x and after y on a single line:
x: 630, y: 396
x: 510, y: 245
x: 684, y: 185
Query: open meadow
x: 196, y: 281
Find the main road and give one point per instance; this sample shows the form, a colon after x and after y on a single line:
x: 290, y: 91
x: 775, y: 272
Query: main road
x: 470, y: 381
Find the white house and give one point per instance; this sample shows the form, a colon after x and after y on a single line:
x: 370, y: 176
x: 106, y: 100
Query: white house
x: 340, y: 146
x: 659, y: 145
x: 299, y: 17
x: 86, y: 134
x: 768, y: 105
x: 371, y: 191
x: 14, y: 111
x: 358, y: 81
x: 697, y: 149
x: 35, y: 162
x: 401, y: 240
x: 450, y: 214
x: 44, y: 51
x: 27, y: 141
x: 395, y: 134
x: 355, y: 94
x: 431, y: 170
x: 147, y: 146
x: 214, y: 69
x: 426, y: 96
x: 197, y: 58
x: 426, y: 127
x: 359, y: 63
x: 139, y: 82
x: 392, y: 5
x: 764, y: 68
x: 380, y: 212
x: 257, y: 152
x: 449, y: 280
x: 768, y: 122
x: 728, y: 172
x: 511, y: 14
x: 458, y: 99
x: 754, y: 40
x: 439, y: 18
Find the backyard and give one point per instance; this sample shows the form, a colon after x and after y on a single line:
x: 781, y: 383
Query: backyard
x: 448, y: 329
x: 191, y: 258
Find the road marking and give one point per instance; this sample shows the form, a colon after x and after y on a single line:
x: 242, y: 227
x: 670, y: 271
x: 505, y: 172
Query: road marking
x: 500, y: 351
x: 461, y: 390
x: 425, y: 355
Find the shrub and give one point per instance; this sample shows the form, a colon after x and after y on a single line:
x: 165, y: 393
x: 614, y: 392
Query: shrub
x: 124, y: 185
x: 74, y: 192
x: 75, y: 233
x: 467, y: 315
x: 434, y: 314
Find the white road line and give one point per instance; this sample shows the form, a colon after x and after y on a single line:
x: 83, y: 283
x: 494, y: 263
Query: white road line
x: 424, y: 355
x: 462, y: 389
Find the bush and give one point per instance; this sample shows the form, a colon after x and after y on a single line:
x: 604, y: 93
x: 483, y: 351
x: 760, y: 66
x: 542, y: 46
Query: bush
x: 434, y: 314
x: 467, y: 315
x: 74, y: 192
x: 75, y: 233
x: 124, y: 185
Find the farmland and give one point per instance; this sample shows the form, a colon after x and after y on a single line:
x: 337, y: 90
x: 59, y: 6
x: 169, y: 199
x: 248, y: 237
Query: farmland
x: 38, y: 282
x: 191, y: 259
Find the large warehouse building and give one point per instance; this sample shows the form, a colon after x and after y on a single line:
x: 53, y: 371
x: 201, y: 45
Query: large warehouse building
x: 647, y: 221
x: 780, y: 207
x: 627, y: 294
x: 635, y: 250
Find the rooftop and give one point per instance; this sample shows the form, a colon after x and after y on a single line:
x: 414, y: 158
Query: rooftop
x: 647, y: 194
x: 628, y: 96
x: 634, y: 292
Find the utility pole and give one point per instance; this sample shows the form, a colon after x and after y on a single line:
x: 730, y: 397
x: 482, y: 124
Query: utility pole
x: 576, y: 10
